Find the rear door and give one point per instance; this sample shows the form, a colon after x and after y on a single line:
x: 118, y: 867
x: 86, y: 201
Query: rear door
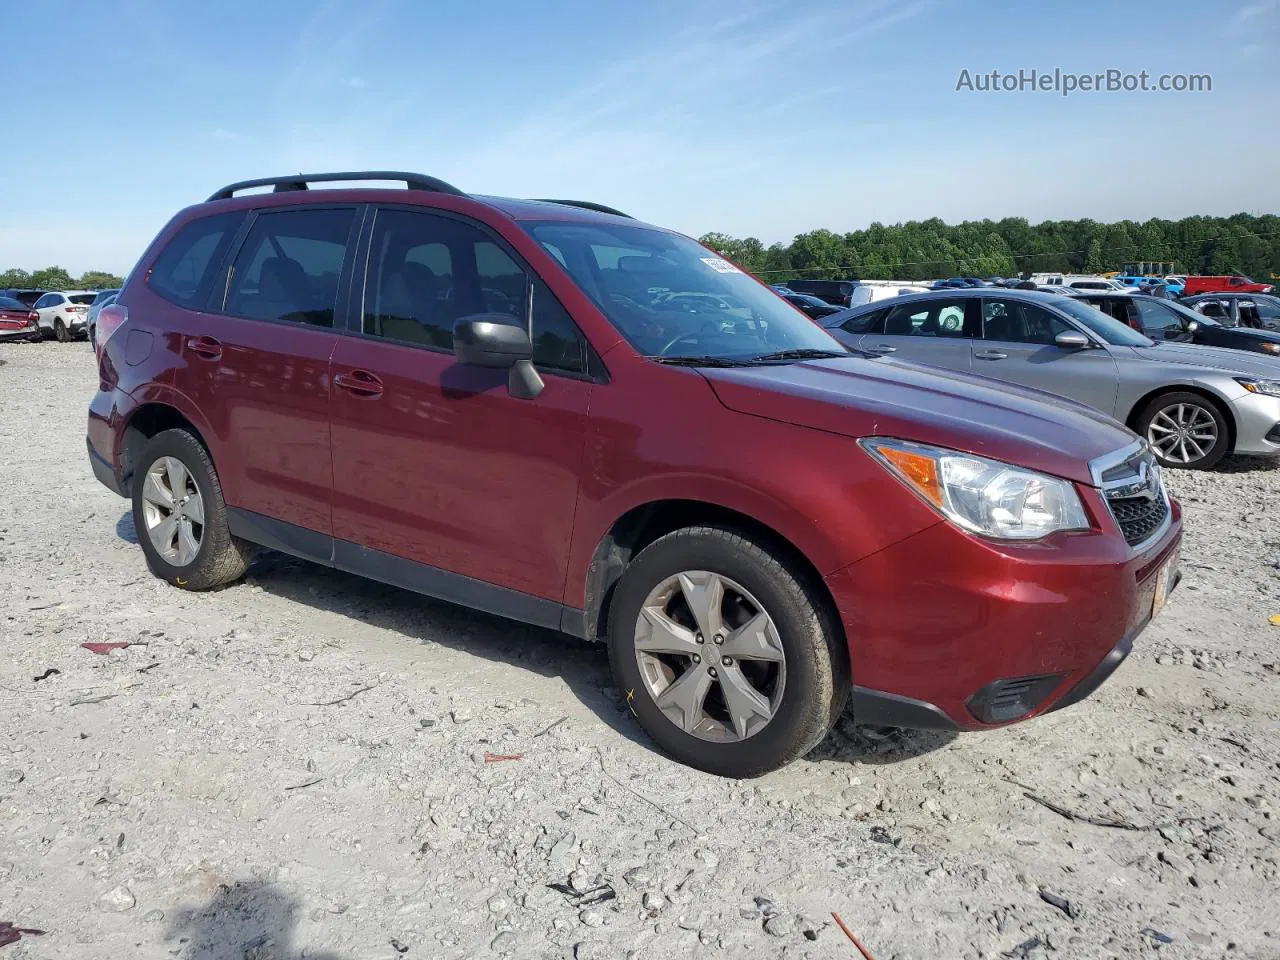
x: 937, y: 331
x: 257, y: 364
x: 1018, y: 346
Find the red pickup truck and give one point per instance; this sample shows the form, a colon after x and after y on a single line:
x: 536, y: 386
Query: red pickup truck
x: 1196, y: 285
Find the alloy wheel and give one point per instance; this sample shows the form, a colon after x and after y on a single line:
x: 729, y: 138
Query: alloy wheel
x: 173, y: 509
x: 1183, y: 432
x: 710, y: 656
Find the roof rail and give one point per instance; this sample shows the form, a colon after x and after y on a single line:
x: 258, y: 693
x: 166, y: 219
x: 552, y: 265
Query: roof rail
x: 587, y: 205
x: 414, y: 181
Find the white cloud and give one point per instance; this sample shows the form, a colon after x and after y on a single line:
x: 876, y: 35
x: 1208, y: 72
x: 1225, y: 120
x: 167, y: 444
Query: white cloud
x: 1252, y: 11
x: 357, y: 83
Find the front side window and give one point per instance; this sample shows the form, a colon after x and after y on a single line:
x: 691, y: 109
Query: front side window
x: 289, y: 266
x: 870, y: 322
x: 1157, y: 320
x: 930, y: 318
x: 427, y: 271
x: 184, y: 271
x: 669, y: 296
x: 1015, y: 321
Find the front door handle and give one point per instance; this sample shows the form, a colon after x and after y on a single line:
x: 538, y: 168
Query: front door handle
x: 883, y: 348
x: 360, y: 382
x: 990, y: 354
x: 206, y: 347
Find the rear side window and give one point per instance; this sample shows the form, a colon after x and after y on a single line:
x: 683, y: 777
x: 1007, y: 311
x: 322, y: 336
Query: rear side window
x: 184, y: 271
x: 931, y: 318
x: 289, y: 266
x: 870, y: 322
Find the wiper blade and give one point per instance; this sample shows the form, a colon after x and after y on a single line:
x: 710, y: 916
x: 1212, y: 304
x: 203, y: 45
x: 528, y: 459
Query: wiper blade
x: 801, y: 355
x: 702, y: 361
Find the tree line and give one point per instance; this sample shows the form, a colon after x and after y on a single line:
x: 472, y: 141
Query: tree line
x: 55, y: 278
x: 931, y: 249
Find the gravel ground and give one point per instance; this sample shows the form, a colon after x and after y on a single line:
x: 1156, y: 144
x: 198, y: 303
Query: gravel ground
x: 302, y: 765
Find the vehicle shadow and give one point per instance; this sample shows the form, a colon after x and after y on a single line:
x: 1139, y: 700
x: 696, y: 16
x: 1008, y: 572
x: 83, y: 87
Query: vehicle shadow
x: 1242, y: 463
x: 583, y: 666
x: 125, y: 528
x: 250, y: 919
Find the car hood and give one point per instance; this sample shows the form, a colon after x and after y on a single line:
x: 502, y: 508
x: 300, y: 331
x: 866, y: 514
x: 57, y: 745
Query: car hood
x: 1267, y: 336
x: 1225, y: 359
x: 859, y: 397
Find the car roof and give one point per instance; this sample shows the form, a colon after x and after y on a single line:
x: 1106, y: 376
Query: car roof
x: 422, y: 190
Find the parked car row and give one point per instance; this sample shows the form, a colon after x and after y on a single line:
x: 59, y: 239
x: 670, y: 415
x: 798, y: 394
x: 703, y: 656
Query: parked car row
x: 62, y: 314
x: 502, y: 403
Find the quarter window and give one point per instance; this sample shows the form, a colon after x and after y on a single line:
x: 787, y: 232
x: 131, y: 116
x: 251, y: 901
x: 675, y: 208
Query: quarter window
x: 289, y: 266
x: 1014, y: 321
x: 184, y: 271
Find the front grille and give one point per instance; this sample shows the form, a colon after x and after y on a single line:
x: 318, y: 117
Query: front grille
x: 1139, y: 517
x: 1136, y: 496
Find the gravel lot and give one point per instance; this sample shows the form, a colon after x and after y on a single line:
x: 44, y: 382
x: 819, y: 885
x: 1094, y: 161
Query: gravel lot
x: 295, y: 766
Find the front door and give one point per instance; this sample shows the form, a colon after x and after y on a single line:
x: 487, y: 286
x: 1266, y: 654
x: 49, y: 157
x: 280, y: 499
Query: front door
x: 937, y: 331
x: 258, y: 368
x: 1018, y: 346
x: 435, y: 463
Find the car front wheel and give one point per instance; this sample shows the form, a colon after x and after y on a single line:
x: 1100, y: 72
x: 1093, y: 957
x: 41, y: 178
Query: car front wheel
x: 726, y: 656
x: 1186, y: 431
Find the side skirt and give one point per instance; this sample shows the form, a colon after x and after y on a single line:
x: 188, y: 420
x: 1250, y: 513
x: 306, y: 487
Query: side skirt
x: 406, y: 574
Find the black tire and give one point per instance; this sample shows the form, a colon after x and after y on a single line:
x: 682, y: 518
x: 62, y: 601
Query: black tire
x: 1220, y: 448
x: 60, y: 331
x: 221, y: 558
x: 817, y: 664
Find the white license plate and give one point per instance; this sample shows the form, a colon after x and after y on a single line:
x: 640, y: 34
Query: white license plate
x: 1164, y: 582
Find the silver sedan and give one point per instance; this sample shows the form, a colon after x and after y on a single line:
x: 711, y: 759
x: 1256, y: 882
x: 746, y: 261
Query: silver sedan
x: 1193, y: 403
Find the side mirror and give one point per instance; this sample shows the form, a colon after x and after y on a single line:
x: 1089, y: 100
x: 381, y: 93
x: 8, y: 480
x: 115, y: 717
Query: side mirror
x: 492, y: 340
x: 1193, y: 326
x: 1071, y: 340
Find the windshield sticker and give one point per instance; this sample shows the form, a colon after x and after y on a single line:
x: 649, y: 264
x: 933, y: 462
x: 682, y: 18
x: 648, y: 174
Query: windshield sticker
x: 719, y: 265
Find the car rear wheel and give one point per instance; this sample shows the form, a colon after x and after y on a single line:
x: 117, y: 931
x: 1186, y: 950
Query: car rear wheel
x: 727, y: 657
x: 180, y: 516
x: 60, y: 331
x: 1186, y: 431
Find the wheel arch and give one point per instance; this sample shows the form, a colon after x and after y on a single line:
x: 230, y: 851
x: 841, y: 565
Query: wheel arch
x: 643, y: 524
x: 1219, y: 402
x: 150, y: 418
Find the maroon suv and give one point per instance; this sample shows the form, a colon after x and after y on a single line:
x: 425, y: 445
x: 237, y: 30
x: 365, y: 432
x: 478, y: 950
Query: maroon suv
x: 549, y: 411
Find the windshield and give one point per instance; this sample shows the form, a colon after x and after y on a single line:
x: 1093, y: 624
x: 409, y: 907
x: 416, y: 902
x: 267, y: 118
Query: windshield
x: 1112, y: 331
x: 672, y: 297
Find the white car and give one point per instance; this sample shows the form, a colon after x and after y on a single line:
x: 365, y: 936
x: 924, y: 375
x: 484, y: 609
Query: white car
x: 63, y: 314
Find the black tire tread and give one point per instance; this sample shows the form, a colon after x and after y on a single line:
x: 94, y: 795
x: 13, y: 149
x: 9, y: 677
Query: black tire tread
x: 223, y: 558
x: 828, y: 659
x: 1223, y: 446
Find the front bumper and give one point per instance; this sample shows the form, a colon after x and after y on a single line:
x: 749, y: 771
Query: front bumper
x: 1257, y: 420
x: 947, y: 631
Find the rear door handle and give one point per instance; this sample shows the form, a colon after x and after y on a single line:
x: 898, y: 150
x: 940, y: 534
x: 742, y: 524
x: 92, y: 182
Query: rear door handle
x: 360, y: 382
x: 206, y: 347
x: 990, y: 354
x: 882, y: 348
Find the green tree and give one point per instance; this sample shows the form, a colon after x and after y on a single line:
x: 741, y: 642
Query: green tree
x: 51, y: 278
x: 99, y: 280
x: 15, y: 278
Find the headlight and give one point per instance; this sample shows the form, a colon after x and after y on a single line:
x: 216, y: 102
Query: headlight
x: 1271, y: 347
x: 983, y: 496
x: 1270, y: 388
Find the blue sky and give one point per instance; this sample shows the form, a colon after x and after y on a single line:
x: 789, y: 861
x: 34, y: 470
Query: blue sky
x: 755, y: 118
